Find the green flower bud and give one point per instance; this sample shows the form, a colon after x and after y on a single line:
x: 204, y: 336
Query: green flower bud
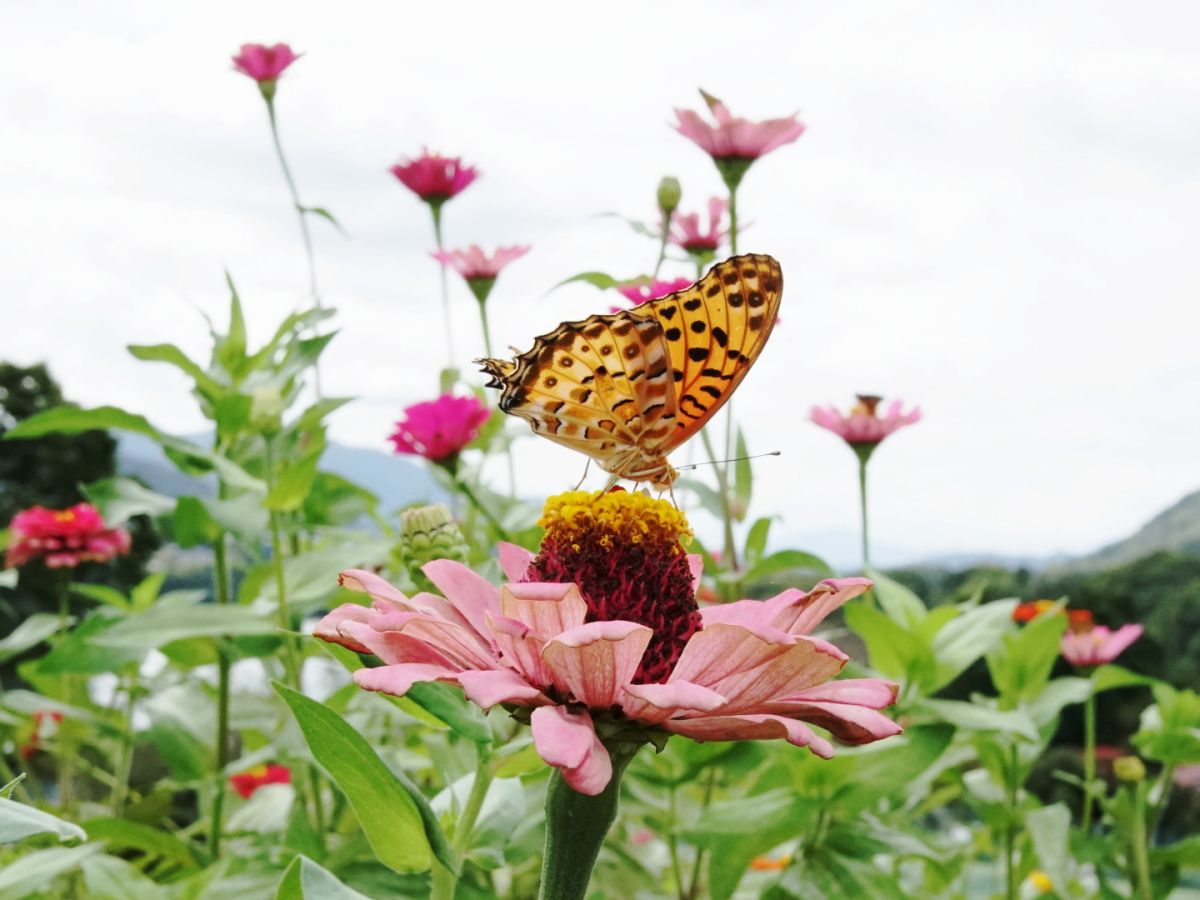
x: 429, y: 533
x: 669, y: 195
x: 1129, y: 768
x: 266, y: 409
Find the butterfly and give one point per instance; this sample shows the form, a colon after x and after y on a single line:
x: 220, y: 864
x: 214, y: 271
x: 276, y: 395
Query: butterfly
x: 630, y: 387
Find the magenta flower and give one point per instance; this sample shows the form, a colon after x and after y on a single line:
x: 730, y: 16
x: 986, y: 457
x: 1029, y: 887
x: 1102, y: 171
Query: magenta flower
x: 597, y: 640
x: 433, y: 178
x: 63, y: 538
x: 687, y: 232
x: 1097, y: 645
x: 263, y: 63
x: 733, y: 142
x: 863, y: 425
x: 439, y: 429
x: 643, y: 291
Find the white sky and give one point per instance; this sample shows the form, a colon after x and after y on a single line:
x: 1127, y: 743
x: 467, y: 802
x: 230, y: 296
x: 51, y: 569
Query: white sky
x: 993, y: 214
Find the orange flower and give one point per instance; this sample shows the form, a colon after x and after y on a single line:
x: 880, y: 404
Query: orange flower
x: 246, y: 783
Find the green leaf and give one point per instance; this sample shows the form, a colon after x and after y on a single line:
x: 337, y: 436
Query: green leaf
x: 756, y: 541
x: 163, y: 624
x: 977, y: 717
x: 1110, y: 677
x: 449, y: 705
x: 172, y: 355
x: 122, y: 834
x: 192, y: 526
x: 708, y: 498
x: 18, y: 821
x: 782, y: 561
x: 34, y: 872
x: 305, y: 880
x: 293, y: 484
x: 101, y: 593
x: 72, y: 420
x: 110, y: 878
x: 1049, y: 829
x: 595, y: 279
x: 326, y: 215
x: 200, y: 520
x: 29, y: 633
x: 77, y: 654
x: 1021, y: 665
x: 388, y: 811
x: 188, y: 760
x: 972, y: 633
x: 892, y: 648
x: 1046, y: 707
x: 120, y: 499
x: 900, y: 604
x: 229, y: 350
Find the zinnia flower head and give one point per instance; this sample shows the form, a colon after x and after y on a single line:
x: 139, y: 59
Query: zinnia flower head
x: 733, y: 142
x: 598, y: 637
x: 644, y: 290
x: 264, y: 64
x: 439, y: 429
x: 434, y: 178
x: 686, y: 231
x: 863, y: 428
x: 1030, y: 610
x: 478, y: 268
x: 246, y: 783
x: 63, y: 538
x: 1097, y: 645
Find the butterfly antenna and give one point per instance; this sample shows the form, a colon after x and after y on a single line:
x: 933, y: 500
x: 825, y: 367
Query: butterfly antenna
x: 583, y: 477
x: 717, y: 462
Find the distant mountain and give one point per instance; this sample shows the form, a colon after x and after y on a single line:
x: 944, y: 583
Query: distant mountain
x: 1175, y: 528
x: 395, y: 480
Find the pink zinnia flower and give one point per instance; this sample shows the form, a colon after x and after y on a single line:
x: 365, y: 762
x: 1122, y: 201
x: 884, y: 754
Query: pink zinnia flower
x: 63, y: 538
x: 478, y: 268
x: 598, y: 638
x: 863, y: 425
x: 246, y: 783
x: 439, y: 429
x: 433, y: 178
x: 733, y: 142
x: 686, y: 230
x: 639, y: 292
x: 263, y: 63
x: 1097, y: 645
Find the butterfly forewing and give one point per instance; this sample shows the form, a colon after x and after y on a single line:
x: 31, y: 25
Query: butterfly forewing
x: 629, y: 387
x: 714, y: 330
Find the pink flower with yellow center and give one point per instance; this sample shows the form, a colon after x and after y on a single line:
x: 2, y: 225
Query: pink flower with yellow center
x: 63, y: 538
x: 246, y: 783
x: 597, y: 641
x: 643, y: 290
x: 688, y: 233
x: 733, y: 142
x: 434, y: 178
x: 263, y: 63
x: 863, y: 425
x: 1096, y: 645
x: 439, y: 429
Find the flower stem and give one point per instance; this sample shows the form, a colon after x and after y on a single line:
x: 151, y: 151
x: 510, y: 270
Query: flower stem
x: 673, y: 844
x: 1141, y: 855
x: 487, y: 332
x: 222, y: 597
x: 862, y: 498
x: 730, y: 556
x: 443, y: 878
x: 1089, y: 760
x: 576, y: 825
x: 733, y: 222
x: 66, y: 750
x: 124, y: 768
x: 662, y: 243
x: 694, y: 888
x: 304, y: 233
x: 436, y: 209
x: 1010, y: 829
x: 499, y: 533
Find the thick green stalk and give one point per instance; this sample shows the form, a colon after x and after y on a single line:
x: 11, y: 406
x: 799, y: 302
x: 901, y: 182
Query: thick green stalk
x: 673, y: 845
x: 436, y: 209
x: 304, y: 233
x: 1089, y: 760
x: 283, y: 614
x: 221, y: 593
x: 66, y: 751
x: 487, y: 332
x: 576, y: 825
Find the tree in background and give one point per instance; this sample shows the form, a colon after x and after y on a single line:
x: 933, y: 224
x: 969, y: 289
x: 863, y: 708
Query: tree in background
x: 48, y: 471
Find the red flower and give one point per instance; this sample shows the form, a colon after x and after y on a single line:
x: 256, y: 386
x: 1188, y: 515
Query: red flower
x: 263, y: 63
x: 63, y: 538
x: 863, y: 424
x: 439, y: 429
x: 246, y: 783
x: 45, y: 725
x: 433, y: 178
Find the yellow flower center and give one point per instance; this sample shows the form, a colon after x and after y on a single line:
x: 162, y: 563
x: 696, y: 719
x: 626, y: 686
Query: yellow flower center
x: 616, y: 516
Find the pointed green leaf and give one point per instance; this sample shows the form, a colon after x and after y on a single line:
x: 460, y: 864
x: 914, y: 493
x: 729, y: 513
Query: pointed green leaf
x: 305, y: 880
x: 18, y: 821
x: 32, y: 874
x: 172, y: 355
x: 28, y: 634
x: 120, y: 498
x: 899, y: 603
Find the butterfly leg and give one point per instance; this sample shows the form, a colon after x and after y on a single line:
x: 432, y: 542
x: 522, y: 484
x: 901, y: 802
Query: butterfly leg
x: 587, y: 465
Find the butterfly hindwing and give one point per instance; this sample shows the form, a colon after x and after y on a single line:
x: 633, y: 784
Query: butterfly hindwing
x: 714, y: 331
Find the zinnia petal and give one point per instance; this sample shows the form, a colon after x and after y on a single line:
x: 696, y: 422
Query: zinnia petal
x: 567, y: 740
x: 594, y: 662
